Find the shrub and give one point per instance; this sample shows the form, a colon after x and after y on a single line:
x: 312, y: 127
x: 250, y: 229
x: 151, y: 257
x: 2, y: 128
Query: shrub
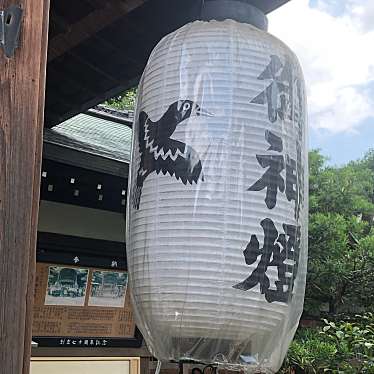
x: 339, y: 347
x: 309, y: 353
x: 354, y: 341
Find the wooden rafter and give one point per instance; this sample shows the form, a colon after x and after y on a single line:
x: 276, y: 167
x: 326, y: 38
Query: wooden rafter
x: 90, y: 25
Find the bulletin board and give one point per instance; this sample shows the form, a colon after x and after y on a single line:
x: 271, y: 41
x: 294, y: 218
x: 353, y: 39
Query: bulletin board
x: 80, y: 304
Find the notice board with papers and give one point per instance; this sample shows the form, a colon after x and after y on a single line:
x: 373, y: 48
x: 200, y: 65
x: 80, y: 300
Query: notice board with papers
x: 81, y: 298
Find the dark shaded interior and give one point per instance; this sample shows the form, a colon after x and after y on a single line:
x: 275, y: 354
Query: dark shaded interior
x: 98, y: 49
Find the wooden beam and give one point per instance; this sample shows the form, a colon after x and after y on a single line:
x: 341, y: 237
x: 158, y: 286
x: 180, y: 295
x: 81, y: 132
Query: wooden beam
x: 91, y: 103
x: 21, y: 126
x: 91, y: 66
x: 95, y: 21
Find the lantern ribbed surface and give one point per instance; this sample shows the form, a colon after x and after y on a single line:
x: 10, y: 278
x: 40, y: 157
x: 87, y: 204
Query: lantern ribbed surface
x: 217, y: 223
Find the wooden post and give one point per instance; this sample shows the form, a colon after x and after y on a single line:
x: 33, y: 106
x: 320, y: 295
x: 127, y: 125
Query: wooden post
x: 22, y: 86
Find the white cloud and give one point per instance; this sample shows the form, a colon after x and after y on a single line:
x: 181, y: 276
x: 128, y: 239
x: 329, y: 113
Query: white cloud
x: 337, y: 55
x: 362, y: 13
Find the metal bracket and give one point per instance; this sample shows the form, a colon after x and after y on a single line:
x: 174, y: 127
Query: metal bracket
x: 10, y: 25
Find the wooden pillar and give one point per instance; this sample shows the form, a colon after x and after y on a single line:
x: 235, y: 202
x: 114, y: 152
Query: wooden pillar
x: 22, y: 87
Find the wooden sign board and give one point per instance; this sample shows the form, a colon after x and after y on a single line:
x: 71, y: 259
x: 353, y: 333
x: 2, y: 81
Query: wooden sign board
x: 78, y: 306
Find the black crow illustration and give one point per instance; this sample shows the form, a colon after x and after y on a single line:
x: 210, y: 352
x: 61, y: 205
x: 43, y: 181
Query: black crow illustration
x: 160, y: 153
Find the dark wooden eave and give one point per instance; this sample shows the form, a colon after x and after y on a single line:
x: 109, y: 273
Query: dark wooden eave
x: 98, y: 48
x: 98, y: 140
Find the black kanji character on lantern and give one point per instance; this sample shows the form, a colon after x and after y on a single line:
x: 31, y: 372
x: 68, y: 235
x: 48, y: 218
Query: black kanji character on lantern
x: 277, y: 249
x: 295, y: 180
x: 271, y: 179
x: 300, y: 176
x: 292, y: 185
x: 291, y: 180
x: 298, y: 112
x: 279, y: 94
x: 290, y: 250
x: 276, y: 142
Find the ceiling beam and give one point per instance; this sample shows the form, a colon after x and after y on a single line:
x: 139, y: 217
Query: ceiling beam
x: 90, y: 25
x: 84, y: 107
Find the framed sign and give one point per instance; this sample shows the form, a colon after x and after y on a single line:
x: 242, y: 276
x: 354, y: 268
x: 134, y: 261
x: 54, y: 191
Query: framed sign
x: 76, y: 302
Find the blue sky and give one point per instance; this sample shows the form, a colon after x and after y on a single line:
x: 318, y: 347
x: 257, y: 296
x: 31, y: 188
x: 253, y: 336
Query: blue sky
x: 334, y: 40
x: 344, y: 146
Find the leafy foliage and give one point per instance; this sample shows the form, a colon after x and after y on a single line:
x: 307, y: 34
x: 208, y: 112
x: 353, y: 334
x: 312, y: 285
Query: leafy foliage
x: 346, y: 190
x: 309, y: 353
x: 341, y: 251
x: 340, y: 270
x: 124, y: 101
x: 338, y: 347
x: 354, y: 341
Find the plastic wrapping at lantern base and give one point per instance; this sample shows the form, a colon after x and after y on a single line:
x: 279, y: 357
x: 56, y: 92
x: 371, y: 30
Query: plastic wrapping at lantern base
x: 217, y: 215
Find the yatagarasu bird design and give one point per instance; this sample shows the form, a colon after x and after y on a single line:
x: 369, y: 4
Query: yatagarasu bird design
x: 160, y: 153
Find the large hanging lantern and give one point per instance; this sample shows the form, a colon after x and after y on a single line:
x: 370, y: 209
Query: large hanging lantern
x: 217, y: 225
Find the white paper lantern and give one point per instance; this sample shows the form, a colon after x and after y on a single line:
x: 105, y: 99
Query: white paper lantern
x: 217, y: 225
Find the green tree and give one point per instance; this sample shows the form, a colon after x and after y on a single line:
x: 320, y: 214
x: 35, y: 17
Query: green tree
x: 124, y: 101
x: 346, y: 190
x: 340, y: 262
x: 368, y: 160
x: 341, y: 251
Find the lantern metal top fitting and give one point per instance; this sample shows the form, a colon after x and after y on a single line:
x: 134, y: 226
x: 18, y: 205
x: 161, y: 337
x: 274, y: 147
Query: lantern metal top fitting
x: 238, y: 10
